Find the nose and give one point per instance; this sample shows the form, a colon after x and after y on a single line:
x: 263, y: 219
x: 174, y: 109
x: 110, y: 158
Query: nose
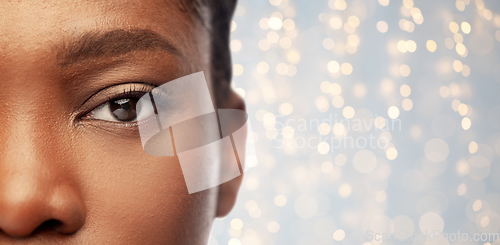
x: 37, y: 194
x: 26, y: 208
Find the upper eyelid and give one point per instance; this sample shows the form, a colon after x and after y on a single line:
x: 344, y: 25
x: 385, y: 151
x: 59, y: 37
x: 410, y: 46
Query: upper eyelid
x: 103, y: 90
x: 105, y: 95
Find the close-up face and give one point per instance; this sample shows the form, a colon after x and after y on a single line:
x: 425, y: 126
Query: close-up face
x: 72, y: 170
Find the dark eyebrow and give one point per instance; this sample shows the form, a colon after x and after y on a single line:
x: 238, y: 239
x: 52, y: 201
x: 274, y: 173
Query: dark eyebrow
x: 93, y: 45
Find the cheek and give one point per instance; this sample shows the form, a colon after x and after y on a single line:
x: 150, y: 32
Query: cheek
x: 137, y: 197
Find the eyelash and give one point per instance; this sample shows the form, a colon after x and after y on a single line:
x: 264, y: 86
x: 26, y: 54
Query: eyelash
x: 130, y: 92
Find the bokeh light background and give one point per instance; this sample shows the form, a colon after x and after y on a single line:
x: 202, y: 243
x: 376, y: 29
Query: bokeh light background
x: 423, y: 75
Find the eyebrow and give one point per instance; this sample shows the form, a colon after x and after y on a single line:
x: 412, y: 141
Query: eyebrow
x: 95, y: 44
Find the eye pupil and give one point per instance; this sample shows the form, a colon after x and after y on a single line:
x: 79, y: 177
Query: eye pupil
x: 124, y: 109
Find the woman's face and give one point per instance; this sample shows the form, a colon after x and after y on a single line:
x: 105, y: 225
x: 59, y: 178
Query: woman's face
x: 67, y: 176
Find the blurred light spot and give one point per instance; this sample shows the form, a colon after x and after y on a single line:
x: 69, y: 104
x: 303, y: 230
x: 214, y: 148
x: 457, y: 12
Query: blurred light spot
x: 251, y: 183
x: 391, y: 153
x: 338, y: 101
x: 333, y: 66
x: 348, y: 112
x: 280, y: 200
x: 404, y: 70
x: 407, y: 104
x: 336, y: 23
x: 393, y: 112
x: 273, y: 37
x: 462, y: 189
x: 462, y: 168
x: 466, y: 123
x: 234, y: 241
x: 354, y: 20
x: 273, y: 227
x: 481, y: 43
x: 282, y: 68
x: 260, y: 115
x: 240, y: 10
x: 288, y: 24
x: 322, y: 104
x: 463, y: 109
x: 473, y: 147
x: 339, y: 235
x: 255, y: 212
x: 340, y: 159
x: 275, y: 2
x: 328, y: 43
x: 338, y: 129
x: 387, y: 86
x: 263, y: 23
x: 364, y: 161
x: 444, y: 91
x: 275, y: 23
x: 235, y: 45
x: 457, y: 65
x: 453, y: 27
x: 236, y: 224
x: 436, y: 150
x: 264, y: 45
x: 408, y: 4
x: 306, y: 206
x: 288, y: 132
x: 380, y: 122
x: 337, y: 4
x: 477, y: 205
x: 402, y: 46
x: 325, y: 86
x: 241, y: 92
x: 285, y: 43
x: 458, y: 38
x: 324, y: 129
x: 359, y: 90
x: 323, y: 148
x: 293, y: 57
x: 383, y: 2
x: 431, y: 222
x: 455, y: 104
x: 460, y: 5
x: 233, y: 26
x: 345, y: 190
x: 238, y: 70
x: 415, y: 131
x: 431, y: 45
x: 411, y: 46
x: 405, y: 90
x: 381, y: 196
x: 349, y: 27
x: 461, y: 49
x: 262, y: 67
x: 382, y: 26
x: 346, y: 68
x: 386, y: 136
x: 285, y: 109
x: 326, y: 167
x: 335, y: 89
x: 485, y: 221
x: 466, y: 71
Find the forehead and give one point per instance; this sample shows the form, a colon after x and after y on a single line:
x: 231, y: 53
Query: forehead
x: 31, y: 25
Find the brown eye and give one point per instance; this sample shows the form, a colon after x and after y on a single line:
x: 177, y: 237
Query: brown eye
x: 124, y: 109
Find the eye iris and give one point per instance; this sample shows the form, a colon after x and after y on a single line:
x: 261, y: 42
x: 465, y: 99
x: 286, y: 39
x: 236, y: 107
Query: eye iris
x: 124, y: 109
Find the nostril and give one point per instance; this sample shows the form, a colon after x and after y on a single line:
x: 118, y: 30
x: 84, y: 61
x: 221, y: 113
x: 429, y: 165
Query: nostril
x: 49, y: 226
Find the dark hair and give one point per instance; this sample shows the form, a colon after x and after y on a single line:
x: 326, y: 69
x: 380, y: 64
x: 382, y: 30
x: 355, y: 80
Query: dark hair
x: 216, y: 16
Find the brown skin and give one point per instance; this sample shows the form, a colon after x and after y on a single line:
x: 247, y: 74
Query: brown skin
x: 66, y: 177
